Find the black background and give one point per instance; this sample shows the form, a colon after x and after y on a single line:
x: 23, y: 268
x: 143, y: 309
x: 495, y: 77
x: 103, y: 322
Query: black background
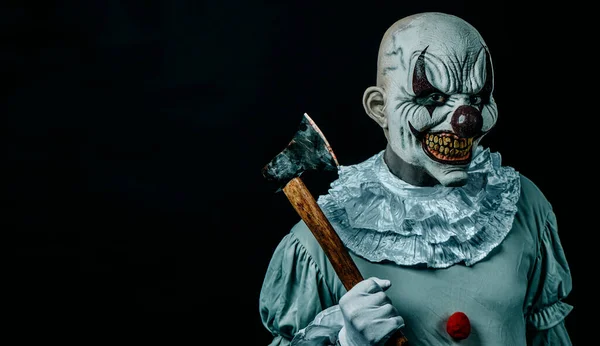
x: 134, y: 132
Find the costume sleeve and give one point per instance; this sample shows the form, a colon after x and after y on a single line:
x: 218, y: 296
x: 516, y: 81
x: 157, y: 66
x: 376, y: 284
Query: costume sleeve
x: 294, y: 299
x: 549, y: 285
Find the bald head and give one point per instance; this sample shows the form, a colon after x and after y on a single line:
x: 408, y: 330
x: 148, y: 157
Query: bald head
x: 453, y: 46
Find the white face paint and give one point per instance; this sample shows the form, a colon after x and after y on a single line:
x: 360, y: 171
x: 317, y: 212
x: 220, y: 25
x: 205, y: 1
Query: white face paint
x: 436, y: 74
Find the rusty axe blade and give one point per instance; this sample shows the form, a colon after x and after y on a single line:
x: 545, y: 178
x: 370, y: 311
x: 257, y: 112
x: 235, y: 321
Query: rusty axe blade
x: 309, y: 150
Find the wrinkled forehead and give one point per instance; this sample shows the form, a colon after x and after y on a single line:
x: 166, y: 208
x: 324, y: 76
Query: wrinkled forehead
x: 453, y: 51
x: 442, y: 32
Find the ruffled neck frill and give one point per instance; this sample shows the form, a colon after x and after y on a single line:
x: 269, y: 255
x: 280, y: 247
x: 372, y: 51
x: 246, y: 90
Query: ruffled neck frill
x: 380, y: 217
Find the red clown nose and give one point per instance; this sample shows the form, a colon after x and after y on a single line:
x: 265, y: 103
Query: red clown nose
x: 458, y: 326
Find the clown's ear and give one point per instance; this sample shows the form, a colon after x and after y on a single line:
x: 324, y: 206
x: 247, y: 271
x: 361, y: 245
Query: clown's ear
x: 374, y: 103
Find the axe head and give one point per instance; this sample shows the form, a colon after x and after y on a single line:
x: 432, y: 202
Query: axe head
x: 308, y: 150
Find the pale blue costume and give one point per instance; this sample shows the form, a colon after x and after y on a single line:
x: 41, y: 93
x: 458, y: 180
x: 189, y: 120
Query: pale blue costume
x: 489, y: 249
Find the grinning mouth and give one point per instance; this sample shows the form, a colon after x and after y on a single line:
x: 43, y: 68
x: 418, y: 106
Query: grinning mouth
x: 445, y: 147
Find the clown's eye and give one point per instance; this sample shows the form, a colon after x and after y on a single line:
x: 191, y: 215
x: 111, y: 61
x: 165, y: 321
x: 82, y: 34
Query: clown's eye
x: 435, y: 98
x: 438, y: 97
x: 476, y: 99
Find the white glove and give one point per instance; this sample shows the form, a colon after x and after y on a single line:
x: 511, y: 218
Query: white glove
x: 369, y: 317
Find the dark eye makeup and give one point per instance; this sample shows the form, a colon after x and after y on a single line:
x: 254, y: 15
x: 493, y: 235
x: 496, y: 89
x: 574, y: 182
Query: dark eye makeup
x: 434, y: 97
x: 431, y: 97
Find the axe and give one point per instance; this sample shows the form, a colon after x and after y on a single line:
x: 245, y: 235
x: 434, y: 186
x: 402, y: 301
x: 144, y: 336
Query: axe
x: 309, y: 150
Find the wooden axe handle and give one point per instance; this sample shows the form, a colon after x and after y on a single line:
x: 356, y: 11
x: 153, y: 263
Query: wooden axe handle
x: 308, y: 209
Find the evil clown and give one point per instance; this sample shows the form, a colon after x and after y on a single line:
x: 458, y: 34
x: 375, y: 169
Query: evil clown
x: 455, y: 247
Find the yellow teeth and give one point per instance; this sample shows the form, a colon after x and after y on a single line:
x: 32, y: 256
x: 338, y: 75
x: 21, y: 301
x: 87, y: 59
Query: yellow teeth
x: 448, y: 147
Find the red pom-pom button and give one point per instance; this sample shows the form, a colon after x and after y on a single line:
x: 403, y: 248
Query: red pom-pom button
x: 458, y: 326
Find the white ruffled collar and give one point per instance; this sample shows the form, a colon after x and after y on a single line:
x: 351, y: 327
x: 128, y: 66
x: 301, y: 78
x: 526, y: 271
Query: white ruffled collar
x: 380, y: 217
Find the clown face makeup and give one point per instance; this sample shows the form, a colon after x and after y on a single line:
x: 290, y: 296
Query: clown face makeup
x: 434, y: 94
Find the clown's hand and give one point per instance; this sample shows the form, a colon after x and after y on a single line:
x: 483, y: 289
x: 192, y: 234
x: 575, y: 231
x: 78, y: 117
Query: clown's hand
x: 369, y: 317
